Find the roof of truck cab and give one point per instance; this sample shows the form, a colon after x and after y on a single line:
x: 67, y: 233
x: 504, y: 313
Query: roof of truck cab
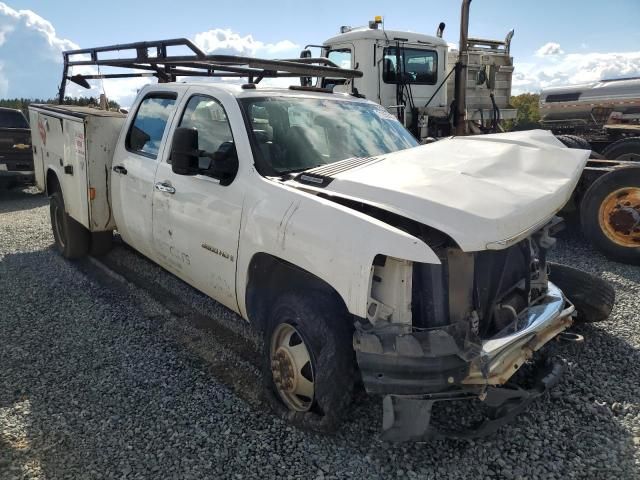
x: 390, y: 35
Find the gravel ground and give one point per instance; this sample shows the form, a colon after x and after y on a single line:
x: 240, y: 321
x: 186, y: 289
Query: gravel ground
x: 112, y: 376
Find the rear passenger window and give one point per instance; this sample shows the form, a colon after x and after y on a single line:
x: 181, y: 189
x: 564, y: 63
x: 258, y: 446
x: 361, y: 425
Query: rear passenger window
x: 148, y: 126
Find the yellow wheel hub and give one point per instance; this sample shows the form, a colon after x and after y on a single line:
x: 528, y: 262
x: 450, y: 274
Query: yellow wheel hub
x: 619, y: 216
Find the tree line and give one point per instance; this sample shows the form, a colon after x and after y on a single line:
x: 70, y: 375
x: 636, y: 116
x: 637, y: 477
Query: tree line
x: 528, y: 116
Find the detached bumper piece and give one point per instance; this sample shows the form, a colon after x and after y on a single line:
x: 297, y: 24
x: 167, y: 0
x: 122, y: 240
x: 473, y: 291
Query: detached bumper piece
x: 407, y: 418
x: 416, y: 367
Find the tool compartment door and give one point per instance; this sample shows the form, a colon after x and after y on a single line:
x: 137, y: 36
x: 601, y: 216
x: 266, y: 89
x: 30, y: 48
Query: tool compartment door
x: 61, y: 139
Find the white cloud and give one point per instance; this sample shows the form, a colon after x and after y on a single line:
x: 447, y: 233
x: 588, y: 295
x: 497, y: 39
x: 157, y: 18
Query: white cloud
x: 571, y: 68
x: 29, y: 54
x: 31, y: 58
x: 226, y: 41
x: 550, y: 48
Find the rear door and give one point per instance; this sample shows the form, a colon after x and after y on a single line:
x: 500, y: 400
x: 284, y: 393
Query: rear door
x: 196, y: 220
x: 134, y: 168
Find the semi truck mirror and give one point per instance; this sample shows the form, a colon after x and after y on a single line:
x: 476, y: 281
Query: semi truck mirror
x: 184, y: 152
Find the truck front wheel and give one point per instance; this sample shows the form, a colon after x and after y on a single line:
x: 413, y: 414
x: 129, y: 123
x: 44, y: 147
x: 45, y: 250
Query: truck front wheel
x: 610, y: 214
x: 310, y: 364
x: 72, y: 239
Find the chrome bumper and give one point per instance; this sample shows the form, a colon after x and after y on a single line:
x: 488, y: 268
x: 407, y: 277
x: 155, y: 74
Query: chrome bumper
x: 502, y: 355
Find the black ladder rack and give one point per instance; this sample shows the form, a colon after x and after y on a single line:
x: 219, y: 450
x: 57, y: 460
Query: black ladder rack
x: 152, y: 57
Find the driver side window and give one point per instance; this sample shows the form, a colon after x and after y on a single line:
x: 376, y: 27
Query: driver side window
x: 207, y: 115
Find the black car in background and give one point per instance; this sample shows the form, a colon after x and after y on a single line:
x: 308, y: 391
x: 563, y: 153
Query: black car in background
x: 16, y: 159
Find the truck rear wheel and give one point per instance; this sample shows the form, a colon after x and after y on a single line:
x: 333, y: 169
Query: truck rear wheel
x: 592, y: 296
x: 610, y: 214
x: 623, y: 149
x: 309, y: 360
x: 72, y: 239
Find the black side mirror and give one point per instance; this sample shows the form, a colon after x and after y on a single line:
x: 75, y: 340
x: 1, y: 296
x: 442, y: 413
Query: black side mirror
x: 225, y: 163
x: 184, y: 151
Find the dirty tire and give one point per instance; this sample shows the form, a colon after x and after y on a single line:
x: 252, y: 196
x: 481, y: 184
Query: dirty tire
x: 581, y: 142
x: 623, y: 149
x: 596, y: 156
x: 592, y: 296
x: 568, y: 141
x: 590, y: 207
x: 101, y: 243
x: 72, y: 239
x: 327, y: 333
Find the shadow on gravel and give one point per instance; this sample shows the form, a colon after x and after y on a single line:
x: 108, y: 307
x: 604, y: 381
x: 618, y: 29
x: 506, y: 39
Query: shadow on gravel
x: 15, y: 200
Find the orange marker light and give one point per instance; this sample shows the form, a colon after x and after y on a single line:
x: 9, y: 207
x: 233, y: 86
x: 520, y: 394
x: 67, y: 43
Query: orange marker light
x: 92, y: 193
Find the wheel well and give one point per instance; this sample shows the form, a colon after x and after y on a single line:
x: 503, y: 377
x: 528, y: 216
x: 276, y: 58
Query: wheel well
x: 269, y: 277
x: 52, y: 182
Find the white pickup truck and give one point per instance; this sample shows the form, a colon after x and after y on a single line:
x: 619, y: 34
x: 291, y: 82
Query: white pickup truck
x: 319, y: 219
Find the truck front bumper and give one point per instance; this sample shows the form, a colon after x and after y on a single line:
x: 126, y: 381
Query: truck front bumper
x: 446, y: 363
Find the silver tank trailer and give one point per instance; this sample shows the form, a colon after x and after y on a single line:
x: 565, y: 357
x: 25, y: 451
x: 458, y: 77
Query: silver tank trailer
x: 591, y: 103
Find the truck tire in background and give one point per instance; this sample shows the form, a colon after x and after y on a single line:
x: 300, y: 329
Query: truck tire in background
x: 101, y: 243
x: 72, y: 239
x: 309, y: 368
x: 568, y: 141
x: 592, y: 296
x: 610, y: 214
x: 623, y: 149
x: 581, y: 142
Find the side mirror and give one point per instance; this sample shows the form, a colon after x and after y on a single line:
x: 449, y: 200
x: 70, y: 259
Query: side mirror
x: 184, y: 151
x: 225, y: 163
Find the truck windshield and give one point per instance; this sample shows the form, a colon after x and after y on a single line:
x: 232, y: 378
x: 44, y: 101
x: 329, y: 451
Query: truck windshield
x: 12, y: 119
x: 294, y: 134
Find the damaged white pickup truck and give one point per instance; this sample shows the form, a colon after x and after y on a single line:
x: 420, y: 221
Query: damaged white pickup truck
x: 316, y: 216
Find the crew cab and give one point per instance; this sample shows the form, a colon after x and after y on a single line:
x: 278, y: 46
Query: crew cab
x: 318, y: 218
x: 16, y: 160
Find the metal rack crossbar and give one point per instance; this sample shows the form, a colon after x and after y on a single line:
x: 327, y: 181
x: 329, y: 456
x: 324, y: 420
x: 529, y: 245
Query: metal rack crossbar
x: 154, y: 61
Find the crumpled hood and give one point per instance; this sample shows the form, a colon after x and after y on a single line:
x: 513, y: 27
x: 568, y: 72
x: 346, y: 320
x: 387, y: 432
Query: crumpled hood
x: 484, y: 191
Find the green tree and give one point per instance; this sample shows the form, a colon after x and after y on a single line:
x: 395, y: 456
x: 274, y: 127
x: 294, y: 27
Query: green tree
x: 528, y: 115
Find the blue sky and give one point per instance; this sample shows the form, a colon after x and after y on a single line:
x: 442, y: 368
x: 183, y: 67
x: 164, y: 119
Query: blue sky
x: 579, y: 37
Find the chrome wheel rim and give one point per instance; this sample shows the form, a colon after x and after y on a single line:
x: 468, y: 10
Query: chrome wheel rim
x: 291, y: 368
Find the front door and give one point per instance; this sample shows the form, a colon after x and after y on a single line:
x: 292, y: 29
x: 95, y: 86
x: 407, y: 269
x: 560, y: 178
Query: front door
x: 134, y: 169
x: 196, y: 220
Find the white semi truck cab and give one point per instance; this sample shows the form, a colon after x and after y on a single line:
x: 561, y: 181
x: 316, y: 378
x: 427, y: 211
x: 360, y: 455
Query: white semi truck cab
x: 318, y: 218
x: 414, y: 77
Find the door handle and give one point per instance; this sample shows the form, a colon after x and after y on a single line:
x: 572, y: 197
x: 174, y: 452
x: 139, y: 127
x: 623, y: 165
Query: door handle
x: 120, y: 169
x: 165, y: 187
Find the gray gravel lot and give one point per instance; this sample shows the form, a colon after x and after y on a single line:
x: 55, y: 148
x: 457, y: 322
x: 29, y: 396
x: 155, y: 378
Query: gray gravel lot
x: 136, y: 375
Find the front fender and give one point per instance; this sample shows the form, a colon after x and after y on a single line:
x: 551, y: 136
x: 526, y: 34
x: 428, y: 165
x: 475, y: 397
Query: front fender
x: 331, y: 241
